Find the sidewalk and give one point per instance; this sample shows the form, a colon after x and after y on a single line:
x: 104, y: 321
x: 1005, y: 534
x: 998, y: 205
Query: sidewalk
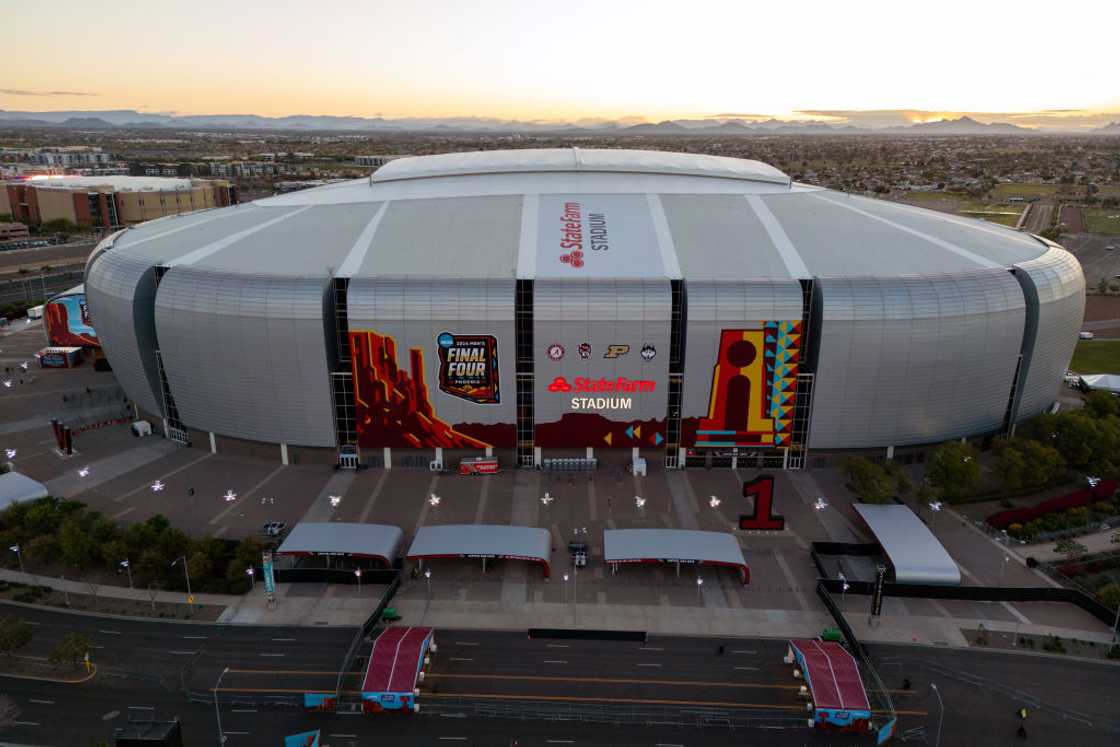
x: 1096, y: 542
x: 341, y: 606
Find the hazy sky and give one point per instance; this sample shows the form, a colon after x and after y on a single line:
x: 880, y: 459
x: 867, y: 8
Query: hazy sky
x: 535, y: 60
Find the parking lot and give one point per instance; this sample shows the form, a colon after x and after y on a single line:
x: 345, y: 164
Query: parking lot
x: 231, y: 496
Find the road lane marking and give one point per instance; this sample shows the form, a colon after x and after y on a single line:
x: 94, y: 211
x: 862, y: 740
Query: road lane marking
x: 647, y: 664
x: 555, y: 661
x: 742, y: 651
x: 110, y: 715
x: 272, y: 654
x: 182, y: 653
x: 453, y: 739
x: 465, y: 643
x: 283, y: 640
x: 111, y: 632
x: 459, y: 658
x: 605, y: 680
x: 25, y: 723
x: 243, y: 710
x: 195, y: 637
x: 343, y: 736
x: 141, y: 708
x: 238, y: 733
x: 556, y: 645
x: 560, y: 741
x: 43, y: 702
x: 651, y: 648
x: 748, y: 669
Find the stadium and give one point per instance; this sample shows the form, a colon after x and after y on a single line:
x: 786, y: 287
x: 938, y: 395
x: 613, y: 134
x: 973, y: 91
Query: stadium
x: 581, y: 303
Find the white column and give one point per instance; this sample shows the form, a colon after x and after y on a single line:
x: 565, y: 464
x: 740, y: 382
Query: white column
x: 489, y: 451
x: 388, y: 457
x: 213, y: 443
x: 785, y: 459
x: 166, y: 429
x: 890, y: 452
x: 682, y: 453
x: 734, y: 462
x: 590, y: 452
x: 634, y: 454
x: 439, y: 454
x: 284, y: 454
x: 536, y: 456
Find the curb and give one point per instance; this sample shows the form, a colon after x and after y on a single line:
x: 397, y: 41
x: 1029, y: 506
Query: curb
x: 55, y: 680
x: 1015, y: 651
x: 108, y: 615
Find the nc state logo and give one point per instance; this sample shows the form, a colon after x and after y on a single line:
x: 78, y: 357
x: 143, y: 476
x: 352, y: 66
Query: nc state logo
x: 559, y: 384
x: 584, y: 350
x: 575, y: 258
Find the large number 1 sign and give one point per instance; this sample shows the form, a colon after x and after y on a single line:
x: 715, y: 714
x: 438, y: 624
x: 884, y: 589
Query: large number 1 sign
x: 763, y: 516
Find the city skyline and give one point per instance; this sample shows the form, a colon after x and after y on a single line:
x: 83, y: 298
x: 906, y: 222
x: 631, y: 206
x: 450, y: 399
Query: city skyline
x: 869, y: 65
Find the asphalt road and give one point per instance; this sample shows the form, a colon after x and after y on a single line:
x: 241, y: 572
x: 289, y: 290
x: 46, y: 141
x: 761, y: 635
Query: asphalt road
x: 674, y: 684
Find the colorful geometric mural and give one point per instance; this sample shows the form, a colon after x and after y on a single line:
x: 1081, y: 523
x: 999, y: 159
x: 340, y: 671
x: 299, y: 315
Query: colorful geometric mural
x: 754, y: 385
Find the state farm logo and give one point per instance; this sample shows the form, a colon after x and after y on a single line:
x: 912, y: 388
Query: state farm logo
x: 575, y: 236
x: 621, y: 385
x: 575, y: 258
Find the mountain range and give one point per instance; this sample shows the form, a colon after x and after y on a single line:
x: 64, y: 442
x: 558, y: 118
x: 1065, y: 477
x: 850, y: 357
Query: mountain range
x: 309, y: 123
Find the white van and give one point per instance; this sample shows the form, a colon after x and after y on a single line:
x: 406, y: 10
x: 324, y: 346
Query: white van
x: 1085, y: 335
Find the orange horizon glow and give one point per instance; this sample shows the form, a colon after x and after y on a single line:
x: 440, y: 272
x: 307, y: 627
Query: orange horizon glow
x: 527, y: 60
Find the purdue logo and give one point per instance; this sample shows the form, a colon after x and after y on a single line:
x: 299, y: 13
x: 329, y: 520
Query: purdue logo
x: 616, y: 351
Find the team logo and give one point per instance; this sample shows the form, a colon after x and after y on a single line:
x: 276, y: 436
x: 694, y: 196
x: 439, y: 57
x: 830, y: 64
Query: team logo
x: 575, y: 258
x: 584, y: 350
x: 468, y: 367
x: 555, y: 351
x: 648, y: 352
x: 616, y: 351
x: 620, y: 385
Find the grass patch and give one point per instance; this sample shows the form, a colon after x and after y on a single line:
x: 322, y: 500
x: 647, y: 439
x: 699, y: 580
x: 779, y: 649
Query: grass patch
x: 935, y: 196
x: 1096, y: 356
x: 1101, y: 220
x: 1025, y: 190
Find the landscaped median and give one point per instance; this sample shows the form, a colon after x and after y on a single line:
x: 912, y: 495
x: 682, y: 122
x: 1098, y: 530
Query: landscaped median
x: 37, y: 668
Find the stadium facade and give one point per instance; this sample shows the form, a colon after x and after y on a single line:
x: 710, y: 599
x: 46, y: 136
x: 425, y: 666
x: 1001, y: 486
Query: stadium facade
x: 536, y: 302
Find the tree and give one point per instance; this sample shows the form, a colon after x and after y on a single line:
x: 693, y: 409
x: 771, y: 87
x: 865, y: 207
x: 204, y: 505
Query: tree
x: 1102, y: 404
x: 1110, y: 595
x: 868, y: 480
x: 1026, y: 463
x: 1070, y: 549
x: 953, y: 468
x: 71, y: 649
x: 76, y: 544
x: 14, y: 635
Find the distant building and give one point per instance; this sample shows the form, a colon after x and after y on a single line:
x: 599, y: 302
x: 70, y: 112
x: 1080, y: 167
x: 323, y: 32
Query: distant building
x: 71, y: 156
x: 374, y: 161
x: 243, y: 169
x: 109, y: 201
x: 9, y: 231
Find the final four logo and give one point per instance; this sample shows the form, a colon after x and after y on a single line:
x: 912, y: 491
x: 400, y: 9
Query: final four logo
x: 468, y: 367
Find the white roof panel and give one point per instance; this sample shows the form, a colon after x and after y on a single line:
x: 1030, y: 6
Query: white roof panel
x: 671, y: 545
x: 483, y: 541
x: 340, y: 538
x: 917, y: 556
x: 16, y: 487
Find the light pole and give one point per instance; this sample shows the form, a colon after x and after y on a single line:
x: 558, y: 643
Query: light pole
x: 935, y: 508
x: 843, y: 591
x: 187, y: 573
x: 940, y: 712
x: 565, y: 587
x: 19, y: 556
x: 358, y: 573
x: 699, y: 589
x: 428, y: 578
x: 217, y: 712
x: 128, y: 567
x: 252, y: 574
x: 1003, y: 569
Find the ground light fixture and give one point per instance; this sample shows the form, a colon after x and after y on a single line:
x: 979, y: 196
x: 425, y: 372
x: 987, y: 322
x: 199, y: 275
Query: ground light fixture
x: 157, y: 486
x: 434, y: 500
x: 230, y: 496
x: 335, y: 500
x: 714, y: 502
x: 639, y: 501
x: 546, y: 498
x: 83, y: 472
x: 935, y: 507
x: 128, y: 567
x: 11, y: 453
x: 820, y: 504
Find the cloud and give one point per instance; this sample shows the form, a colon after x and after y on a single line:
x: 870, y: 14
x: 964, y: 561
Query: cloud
x: 737, y: 116
x: 20, y: 92
x: 1061, y: 119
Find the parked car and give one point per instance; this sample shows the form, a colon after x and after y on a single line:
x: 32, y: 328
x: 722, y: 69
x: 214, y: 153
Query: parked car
x: 1085, y: 335
x: 274, y: 529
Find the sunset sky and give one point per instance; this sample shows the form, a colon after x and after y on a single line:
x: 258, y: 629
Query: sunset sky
x: 526, y: 59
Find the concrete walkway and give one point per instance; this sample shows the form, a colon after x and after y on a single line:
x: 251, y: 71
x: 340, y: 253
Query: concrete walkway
x: 1096, y: 542
x: 293, y: 608
x: 102, y: 471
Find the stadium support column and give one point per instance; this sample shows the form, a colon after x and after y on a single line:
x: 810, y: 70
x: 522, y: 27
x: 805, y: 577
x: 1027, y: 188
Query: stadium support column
x: 527, y: 453
x: 674, y: 453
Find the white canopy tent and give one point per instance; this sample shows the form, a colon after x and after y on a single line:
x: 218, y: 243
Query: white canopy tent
x: 1102, y: 382
x: 15, y: 487
x: 916, y: 555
